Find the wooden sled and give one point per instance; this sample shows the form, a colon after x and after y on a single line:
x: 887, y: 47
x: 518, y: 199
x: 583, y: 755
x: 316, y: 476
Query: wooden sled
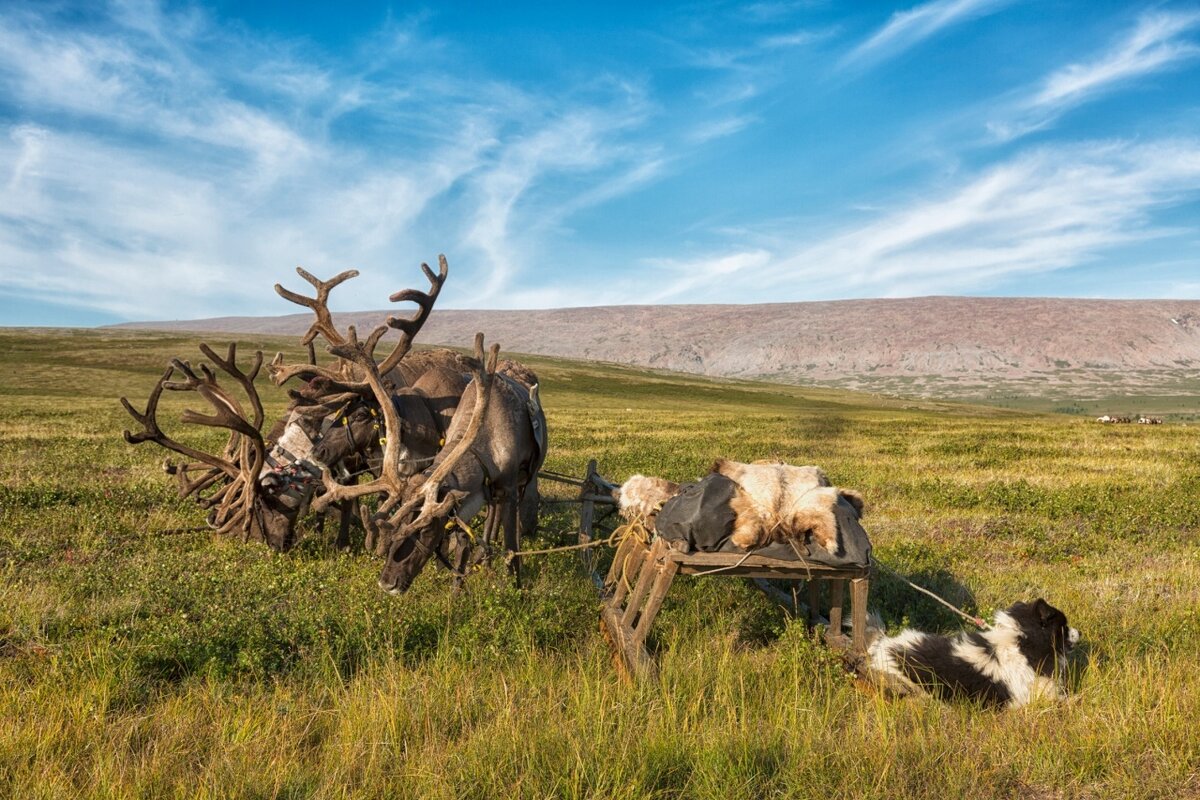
x: 641, y: 574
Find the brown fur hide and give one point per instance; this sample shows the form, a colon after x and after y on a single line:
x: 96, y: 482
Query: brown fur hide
x: 777, y: 501
x: 642, y: 497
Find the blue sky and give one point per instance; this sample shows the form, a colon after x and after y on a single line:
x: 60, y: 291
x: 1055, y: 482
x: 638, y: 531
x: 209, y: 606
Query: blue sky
x: 175, y: 161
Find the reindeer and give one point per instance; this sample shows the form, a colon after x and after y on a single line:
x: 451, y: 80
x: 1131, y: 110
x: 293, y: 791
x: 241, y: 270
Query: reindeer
x: 491, y: 459
x: 497, y: 424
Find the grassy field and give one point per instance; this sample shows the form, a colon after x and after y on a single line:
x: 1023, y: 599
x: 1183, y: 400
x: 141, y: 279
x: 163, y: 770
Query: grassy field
x: 137, y: 663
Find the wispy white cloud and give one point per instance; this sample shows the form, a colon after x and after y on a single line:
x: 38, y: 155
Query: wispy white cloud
x: 906, y: 29
x: 744, y: 67
x: 747, y: 57
x: 151, y: 178
x: 719, y: 128
x: 1157, y: 42
x: 797, y: 38
x: 1043, y: 211
x: 1153, y: 45
x: 774, y: 11
x: 677, y: 278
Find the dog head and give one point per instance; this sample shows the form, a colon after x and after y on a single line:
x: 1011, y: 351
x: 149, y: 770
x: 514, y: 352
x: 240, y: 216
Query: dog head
x: 1046, y: 636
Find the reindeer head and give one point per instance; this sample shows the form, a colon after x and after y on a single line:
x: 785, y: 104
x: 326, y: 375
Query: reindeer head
x: 420, y: 540
x: 417, y: 528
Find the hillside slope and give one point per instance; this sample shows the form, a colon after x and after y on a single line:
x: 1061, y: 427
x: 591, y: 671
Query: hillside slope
x: 952, y: 346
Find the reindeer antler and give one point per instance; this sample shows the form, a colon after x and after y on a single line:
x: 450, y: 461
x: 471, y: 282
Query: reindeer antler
x: 410, y: 326
x: 391, y: 512
x: 153, y: 433
x: 319, y: 304
x: 242, y: 460
x: 343, y: 376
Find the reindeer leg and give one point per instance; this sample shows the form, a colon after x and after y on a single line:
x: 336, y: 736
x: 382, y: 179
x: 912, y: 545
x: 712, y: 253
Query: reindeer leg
x: 364, y: 517
x: 512, y: 539
x: 346, y: 509
x: 461, y: 552
x: 491, y: 523
x: 530, y: 499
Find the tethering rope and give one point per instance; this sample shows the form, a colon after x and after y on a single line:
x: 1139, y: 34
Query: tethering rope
x: 635, y: 528
x: 977, y: 621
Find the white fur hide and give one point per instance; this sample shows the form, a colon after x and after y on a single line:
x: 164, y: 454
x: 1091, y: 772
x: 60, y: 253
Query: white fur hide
x: 642, y: 496
x: 778, y: 501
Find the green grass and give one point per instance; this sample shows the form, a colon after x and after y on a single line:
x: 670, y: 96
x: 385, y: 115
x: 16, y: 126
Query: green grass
x: 135, y: 663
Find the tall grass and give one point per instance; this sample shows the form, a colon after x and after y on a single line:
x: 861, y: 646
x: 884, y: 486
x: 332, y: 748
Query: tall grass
x: 140, y: 664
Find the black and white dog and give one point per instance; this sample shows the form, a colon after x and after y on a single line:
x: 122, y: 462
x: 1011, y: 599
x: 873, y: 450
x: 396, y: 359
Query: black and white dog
x: 1022, y: 657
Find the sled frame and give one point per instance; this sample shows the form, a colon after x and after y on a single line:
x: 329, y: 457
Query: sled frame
x: 642, y: 574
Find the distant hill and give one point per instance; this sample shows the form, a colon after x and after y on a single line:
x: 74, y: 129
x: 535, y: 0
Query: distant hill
x: 943, y: 346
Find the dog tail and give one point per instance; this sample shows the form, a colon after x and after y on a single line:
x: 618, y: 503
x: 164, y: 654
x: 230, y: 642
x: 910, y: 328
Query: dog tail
x: 875, y: 628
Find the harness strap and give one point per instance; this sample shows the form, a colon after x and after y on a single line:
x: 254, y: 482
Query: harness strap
x: 437, y: 553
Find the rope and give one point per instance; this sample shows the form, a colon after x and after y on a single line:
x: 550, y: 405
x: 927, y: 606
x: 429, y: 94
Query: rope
x: 636, y: 528
x: 977, y: 621
x: 523, y: 553
x: 722, y: 569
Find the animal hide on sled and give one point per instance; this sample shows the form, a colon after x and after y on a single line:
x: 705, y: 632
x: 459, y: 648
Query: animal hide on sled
x: 642, y: 497
x: 776, y: 502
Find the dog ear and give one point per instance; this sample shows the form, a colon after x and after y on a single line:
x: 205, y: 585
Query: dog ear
x: 1044, y: 611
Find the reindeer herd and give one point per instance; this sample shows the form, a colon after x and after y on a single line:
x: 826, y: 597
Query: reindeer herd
x: 411, y: 445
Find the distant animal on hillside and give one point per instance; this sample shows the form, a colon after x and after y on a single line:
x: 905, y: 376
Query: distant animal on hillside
x: 1022, y: 657
x: 776, y: 502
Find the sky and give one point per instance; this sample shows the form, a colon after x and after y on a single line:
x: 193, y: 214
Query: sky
x: 175, y: 161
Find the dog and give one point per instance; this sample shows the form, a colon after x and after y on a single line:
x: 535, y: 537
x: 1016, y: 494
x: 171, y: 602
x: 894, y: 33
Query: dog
x: 777, y: 501
x: 1021, y: 658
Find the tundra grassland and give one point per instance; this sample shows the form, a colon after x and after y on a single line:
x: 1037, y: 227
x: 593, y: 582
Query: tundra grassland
x: 140, y: 662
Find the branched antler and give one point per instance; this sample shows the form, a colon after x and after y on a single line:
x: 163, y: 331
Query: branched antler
x: 410, y: 326
x: 347, y: 374
x: 391, y: 483
x: 232, y: 503
x: 153, y: 433
x: 319, y: 304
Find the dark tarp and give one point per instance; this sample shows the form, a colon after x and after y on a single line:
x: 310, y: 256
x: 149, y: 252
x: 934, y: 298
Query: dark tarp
x: 701, y: 516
